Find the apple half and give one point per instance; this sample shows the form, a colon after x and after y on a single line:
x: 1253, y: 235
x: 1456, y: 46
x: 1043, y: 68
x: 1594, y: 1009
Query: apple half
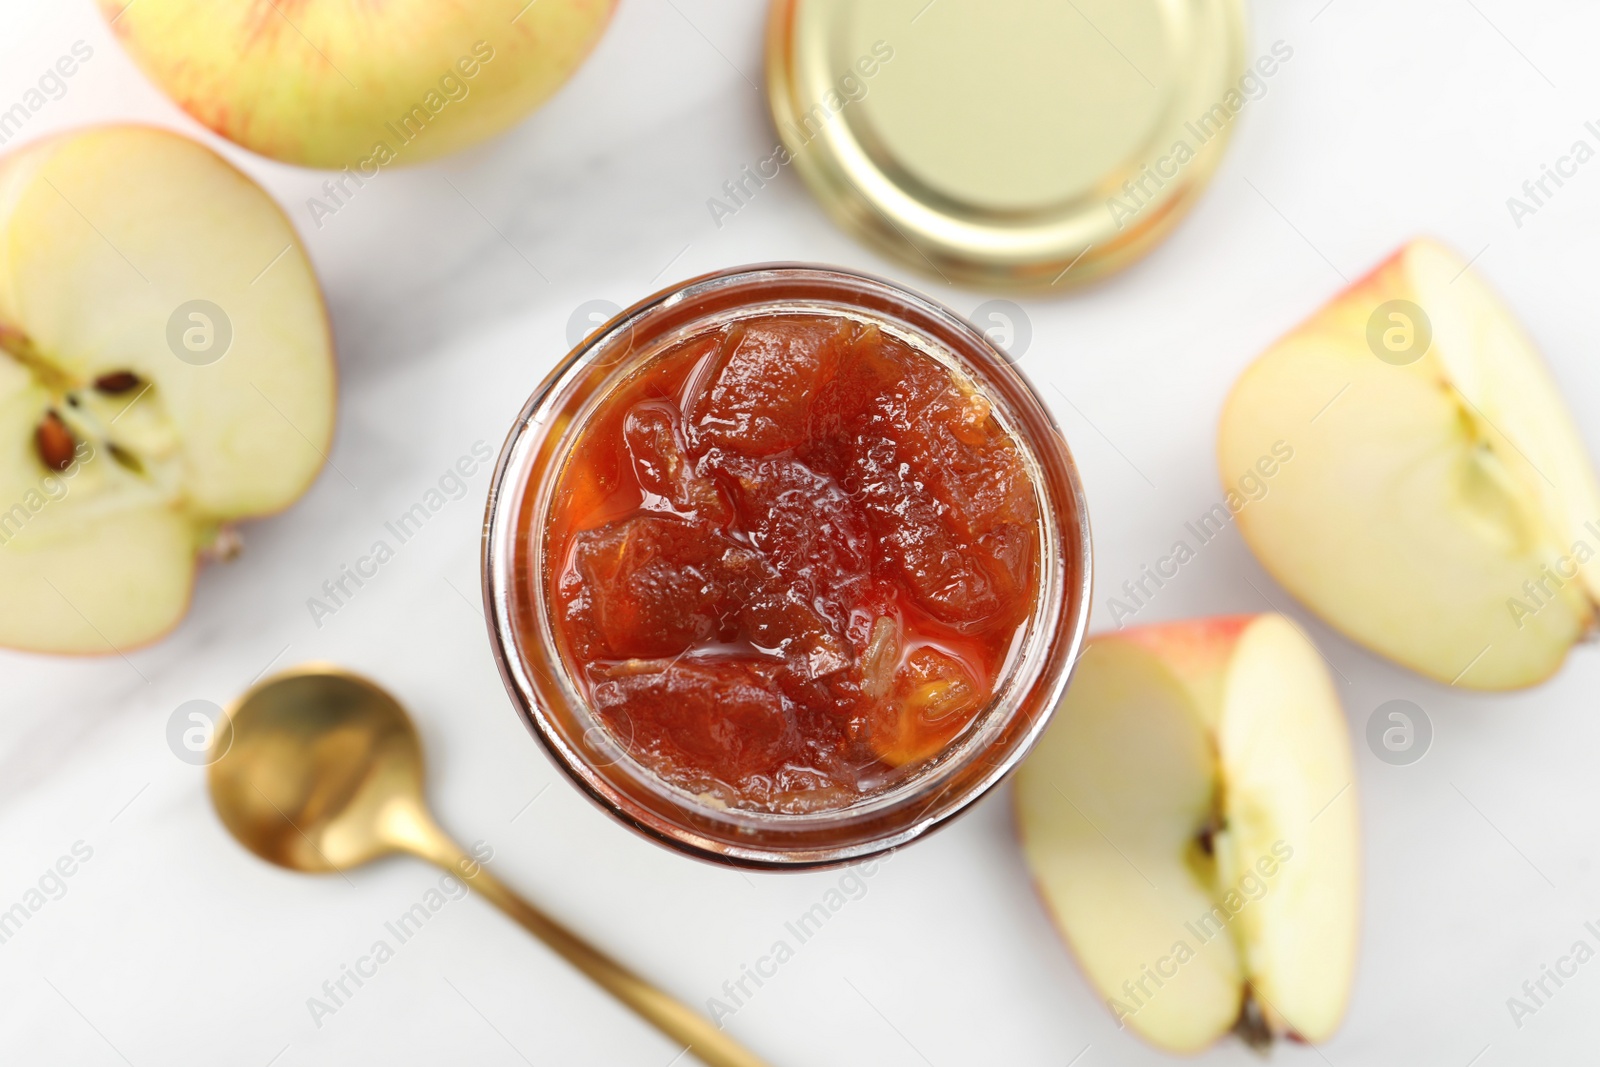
x: 1190, y: 821
x: 1439, y: 508
x: 354, y: 83
x: 165, y: 369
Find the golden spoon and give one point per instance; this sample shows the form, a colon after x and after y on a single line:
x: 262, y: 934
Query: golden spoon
x: 321, y: 771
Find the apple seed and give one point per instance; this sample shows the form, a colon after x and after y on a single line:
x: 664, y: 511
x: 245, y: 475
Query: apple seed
x: 54, y: 442
x: 120, y: 381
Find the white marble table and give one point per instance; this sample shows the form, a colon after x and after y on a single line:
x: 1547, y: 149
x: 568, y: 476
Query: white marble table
x: 170, y: 945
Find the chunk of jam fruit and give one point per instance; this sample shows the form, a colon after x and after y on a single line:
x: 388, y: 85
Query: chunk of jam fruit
x: 790, y: 556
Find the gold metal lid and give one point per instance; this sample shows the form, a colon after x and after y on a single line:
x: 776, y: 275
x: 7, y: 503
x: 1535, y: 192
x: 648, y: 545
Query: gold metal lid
x: 1019, y: 143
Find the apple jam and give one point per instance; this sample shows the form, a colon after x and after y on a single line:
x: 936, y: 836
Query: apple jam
x: 788, y: 558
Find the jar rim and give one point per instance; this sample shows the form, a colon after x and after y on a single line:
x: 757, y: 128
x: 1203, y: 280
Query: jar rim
x: 547, y: 698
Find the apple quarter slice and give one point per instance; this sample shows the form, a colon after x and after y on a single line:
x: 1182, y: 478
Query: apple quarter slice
x: 1439, y: 507
x: 1190, y: 821
x: 165, y: 369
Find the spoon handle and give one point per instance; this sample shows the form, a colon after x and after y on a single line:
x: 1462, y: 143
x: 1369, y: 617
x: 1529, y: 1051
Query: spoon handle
x: 669, y: 1015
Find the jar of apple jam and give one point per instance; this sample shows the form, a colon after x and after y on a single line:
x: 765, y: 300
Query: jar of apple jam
x: 786, y: 566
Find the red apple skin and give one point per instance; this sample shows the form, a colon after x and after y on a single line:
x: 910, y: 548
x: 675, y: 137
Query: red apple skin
x: 1191, y: 647
x: 323, y: 83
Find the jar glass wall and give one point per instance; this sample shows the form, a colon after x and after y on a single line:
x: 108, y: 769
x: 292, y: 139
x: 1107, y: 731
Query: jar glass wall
x: 518, y: 600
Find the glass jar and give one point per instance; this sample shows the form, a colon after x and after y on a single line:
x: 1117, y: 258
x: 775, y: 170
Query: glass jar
x: 518, y: 608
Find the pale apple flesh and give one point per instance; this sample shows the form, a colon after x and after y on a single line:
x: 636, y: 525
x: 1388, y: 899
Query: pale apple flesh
x: 1190, y: 820
x: 118, y: 459
x: 324, y: 83
x: 1441, y: 512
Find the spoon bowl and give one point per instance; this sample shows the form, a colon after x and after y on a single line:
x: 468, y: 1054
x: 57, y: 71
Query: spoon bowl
x: 319, y: 760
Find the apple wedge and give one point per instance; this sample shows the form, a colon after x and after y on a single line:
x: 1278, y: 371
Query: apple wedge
x: 351, y: 83
x: 1190, y: 820
x: 165, y: 370
x: 1440, y: 508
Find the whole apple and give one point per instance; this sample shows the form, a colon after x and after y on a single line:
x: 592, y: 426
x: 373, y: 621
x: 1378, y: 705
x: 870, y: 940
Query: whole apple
x: 351, y: 83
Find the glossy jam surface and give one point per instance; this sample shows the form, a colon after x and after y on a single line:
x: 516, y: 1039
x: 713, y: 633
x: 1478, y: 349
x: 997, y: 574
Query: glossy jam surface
x: 789, y: 557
